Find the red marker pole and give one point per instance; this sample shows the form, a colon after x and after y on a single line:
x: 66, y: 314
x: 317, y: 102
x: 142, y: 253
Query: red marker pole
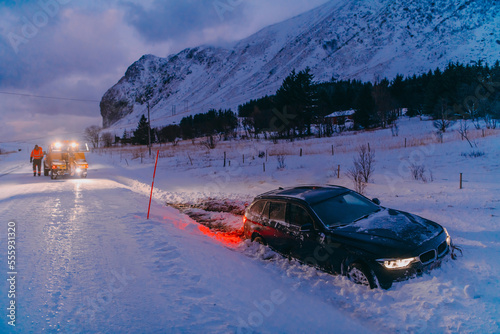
x: 153, y: 184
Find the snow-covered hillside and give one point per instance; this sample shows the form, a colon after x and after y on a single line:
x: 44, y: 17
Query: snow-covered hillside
x: 90, y: 261
x: 365, y: 40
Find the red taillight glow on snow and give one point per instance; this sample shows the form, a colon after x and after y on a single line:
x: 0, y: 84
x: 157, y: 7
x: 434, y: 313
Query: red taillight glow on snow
x: 227, y: 238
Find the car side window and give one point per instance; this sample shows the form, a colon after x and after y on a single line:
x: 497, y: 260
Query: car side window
x: 277, y: 211
x: 297, y: 215
x: 256, y: 209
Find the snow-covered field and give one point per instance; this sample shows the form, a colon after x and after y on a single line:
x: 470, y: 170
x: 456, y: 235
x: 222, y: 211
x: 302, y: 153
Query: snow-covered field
x: 88, y: 260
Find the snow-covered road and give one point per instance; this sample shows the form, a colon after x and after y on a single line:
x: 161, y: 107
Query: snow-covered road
x: 88, y: 260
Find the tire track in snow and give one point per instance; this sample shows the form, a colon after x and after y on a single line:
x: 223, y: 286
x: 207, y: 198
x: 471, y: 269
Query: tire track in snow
x: 193, y: 300
x: 9, y: 171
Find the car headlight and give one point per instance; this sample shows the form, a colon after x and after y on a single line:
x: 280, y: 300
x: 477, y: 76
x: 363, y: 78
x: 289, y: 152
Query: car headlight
x: 397, y: 263
x: 448, y: 238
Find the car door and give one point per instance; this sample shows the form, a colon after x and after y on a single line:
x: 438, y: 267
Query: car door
x: 303, y: 234
x: 277, y: 221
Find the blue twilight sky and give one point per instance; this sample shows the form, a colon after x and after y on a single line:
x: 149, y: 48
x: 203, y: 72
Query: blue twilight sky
x: 78, y: 49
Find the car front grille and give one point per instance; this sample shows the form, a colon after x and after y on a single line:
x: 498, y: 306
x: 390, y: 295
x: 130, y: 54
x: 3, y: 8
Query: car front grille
x: 428, y: 256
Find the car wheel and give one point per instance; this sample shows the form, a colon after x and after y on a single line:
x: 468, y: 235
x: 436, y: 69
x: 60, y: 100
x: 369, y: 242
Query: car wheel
x: 259, y: 240
x: 52, y: 175
x: 360, y: 274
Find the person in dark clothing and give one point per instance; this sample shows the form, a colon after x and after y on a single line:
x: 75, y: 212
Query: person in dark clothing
x: 36, y: 158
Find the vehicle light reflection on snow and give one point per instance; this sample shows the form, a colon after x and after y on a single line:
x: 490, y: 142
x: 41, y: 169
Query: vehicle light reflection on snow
x: 78, y: 209
x: 230, y: 239
x: 227, y: 238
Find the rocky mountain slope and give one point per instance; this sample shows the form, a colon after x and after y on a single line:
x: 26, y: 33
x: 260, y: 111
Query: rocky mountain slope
x: 341, y: 39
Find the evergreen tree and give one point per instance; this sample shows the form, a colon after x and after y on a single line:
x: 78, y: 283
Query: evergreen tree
x: 169, y: 133
x: 397, y: 90
x: 221, y: 122
x: 257, y: 114
x: 125, y: 139
x: 186, y: 125
x: 141, y: 133
x: 296, y: 96
x: 365, y: 107
x: 384, y: 103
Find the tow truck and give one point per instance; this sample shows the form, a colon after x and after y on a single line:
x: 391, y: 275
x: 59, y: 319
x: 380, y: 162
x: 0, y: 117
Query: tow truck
x: 65, y: 158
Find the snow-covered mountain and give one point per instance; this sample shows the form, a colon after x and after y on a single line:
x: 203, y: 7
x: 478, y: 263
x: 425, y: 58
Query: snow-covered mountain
x: 355, y: 39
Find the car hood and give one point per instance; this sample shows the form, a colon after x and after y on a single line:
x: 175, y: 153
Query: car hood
x: 392, y: 228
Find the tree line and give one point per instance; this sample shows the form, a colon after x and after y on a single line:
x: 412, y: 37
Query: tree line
x: 459, y: 91
x: 222, y: 123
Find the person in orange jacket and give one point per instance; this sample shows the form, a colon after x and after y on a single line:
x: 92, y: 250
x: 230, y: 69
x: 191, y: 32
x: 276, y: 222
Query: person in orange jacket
x: 36, y: 158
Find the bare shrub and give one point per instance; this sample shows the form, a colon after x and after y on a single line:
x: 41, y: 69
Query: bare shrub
x: 363, y: 168
x: 281, y: 161
x: 210, y: 142
x: 355, y: 174
x: 474, y: 154
x: 439, y: 136
x: 92, y: 135
x: 364, y: 163
x: 464, y: 132
x: 136, y: 154
x: 395, y: 129
x: 490, y: 122
x: 419, y: 173
x: 442, y: 123
x: 107, y: 139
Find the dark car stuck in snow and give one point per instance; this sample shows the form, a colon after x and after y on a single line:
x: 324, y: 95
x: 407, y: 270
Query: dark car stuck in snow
x: 342, y: 232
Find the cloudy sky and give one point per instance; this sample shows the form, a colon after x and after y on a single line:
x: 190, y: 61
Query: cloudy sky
x: 58, y: 57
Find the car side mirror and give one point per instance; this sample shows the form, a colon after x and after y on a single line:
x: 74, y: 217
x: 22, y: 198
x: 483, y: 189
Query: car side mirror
x: 376, y: 201
x: 306, y: 227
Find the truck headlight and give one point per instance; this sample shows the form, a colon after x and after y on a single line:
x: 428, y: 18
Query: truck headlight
x: 397, y: 263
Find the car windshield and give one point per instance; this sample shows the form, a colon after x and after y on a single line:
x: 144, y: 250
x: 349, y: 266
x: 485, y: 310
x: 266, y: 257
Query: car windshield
x: 344, y: 209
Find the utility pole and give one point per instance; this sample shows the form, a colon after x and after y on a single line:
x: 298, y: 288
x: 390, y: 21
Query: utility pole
x: 149, y: 132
